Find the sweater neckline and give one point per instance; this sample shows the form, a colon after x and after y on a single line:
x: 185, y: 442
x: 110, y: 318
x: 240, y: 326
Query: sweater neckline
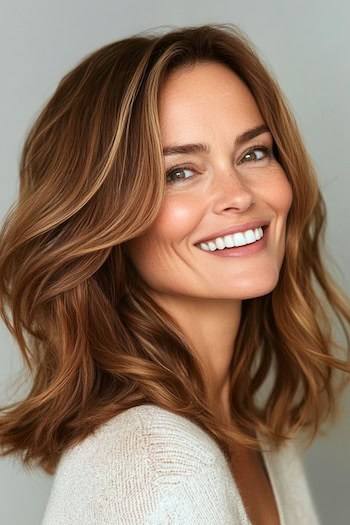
x: 269, y: 460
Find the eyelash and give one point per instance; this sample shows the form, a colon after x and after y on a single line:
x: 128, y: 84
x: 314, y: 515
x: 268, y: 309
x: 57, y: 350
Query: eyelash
x: 174, y: 169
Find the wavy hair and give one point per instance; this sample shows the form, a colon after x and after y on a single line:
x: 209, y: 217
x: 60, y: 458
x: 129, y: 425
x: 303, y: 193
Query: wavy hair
x: 93, y: 340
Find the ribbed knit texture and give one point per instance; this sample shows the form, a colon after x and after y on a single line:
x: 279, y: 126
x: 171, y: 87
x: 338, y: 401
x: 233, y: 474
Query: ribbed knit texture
x: 150, y: 466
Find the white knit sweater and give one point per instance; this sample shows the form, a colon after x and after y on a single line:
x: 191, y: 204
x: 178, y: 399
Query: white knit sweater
x: 150, y: 466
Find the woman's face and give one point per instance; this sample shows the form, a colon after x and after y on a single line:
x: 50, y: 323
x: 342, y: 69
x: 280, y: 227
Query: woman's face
x: 222, y: 179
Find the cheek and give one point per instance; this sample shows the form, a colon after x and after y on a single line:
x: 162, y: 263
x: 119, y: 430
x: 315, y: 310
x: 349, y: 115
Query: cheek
x: 285, y: 194
x: 283, y: 197
x: 280, y: 195
x: 157, y: 247
x: 176, y: 220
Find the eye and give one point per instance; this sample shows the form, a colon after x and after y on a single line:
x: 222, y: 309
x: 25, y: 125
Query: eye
x: 179, y: 173
x: 256, y: 154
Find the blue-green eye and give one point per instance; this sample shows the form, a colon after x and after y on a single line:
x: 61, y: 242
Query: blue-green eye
x: 179, y: 173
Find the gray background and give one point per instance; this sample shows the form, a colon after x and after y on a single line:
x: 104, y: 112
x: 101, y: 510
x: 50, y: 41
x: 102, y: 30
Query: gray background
x: 307, y: 46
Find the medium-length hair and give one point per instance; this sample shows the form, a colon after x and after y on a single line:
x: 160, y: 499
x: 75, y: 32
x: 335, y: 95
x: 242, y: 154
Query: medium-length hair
x: 93, y: 340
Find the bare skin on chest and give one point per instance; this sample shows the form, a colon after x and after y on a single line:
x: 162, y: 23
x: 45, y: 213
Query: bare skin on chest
x: 252, y: 480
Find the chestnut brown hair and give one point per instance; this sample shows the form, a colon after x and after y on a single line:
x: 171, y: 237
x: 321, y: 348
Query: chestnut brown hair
x: 94, y: 341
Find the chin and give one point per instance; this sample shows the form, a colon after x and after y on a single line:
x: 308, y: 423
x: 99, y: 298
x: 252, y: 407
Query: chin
x: 257, y: 287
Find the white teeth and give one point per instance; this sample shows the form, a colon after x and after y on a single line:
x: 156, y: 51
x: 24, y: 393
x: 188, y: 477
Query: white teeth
x: 258, y: 233
x: 229, y: 241
x: 220, y: 243
x: 249, y: 236
x: 239, y: 239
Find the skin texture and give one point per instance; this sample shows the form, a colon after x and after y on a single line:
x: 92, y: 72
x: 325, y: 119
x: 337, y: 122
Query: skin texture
x: 208, y: 103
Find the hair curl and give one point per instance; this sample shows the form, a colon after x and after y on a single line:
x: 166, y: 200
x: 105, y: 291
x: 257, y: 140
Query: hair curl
x: 93, y: 340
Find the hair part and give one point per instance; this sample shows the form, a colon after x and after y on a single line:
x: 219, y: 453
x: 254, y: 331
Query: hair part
x: 93, y: 339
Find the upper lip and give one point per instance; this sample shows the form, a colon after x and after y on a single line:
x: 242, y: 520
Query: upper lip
x: 235, y: 229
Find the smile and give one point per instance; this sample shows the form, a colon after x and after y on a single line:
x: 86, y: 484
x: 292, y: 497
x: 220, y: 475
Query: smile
x: 234, y: 240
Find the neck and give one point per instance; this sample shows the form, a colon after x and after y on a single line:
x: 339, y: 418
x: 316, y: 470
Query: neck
x: 211, y: 328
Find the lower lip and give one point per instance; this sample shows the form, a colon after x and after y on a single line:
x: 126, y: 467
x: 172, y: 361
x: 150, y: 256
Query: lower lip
x: 241, y: 251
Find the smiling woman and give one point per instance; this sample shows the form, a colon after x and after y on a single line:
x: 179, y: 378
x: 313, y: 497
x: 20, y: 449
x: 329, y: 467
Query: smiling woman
x: 211, y: 126
x: 162, y: 272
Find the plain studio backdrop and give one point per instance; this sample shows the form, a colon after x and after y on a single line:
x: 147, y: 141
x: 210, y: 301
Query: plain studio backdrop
x: 307, y: 45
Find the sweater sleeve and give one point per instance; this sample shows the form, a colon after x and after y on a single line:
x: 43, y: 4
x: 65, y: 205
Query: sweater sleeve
x: 147, y: 466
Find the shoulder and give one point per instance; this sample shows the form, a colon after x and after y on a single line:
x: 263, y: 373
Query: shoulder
x: 152, y: 433
x: 144, y: 462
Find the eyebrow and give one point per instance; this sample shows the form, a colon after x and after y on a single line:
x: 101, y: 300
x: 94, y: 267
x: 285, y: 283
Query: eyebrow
x: 204, y: 148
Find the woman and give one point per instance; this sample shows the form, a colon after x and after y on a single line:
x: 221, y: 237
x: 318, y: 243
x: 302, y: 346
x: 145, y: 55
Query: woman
x: 161, y: 267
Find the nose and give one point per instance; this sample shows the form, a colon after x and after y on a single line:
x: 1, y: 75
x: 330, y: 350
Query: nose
x: 231, y: 192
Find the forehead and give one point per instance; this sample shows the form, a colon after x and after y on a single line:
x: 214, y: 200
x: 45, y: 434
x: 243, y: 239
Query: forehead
x: 202, y: 96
